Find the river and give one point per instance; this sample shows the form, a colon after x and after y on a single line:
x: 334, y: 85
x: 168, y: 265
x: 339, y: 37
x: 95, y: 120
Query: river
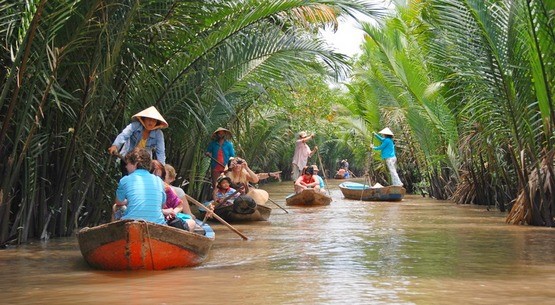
x: 418, y: 251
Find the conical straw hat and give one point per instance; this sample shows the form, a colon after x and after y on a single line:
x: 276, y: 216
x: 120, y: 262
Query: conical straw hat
x: 228, y: 133
x: 386, y: 131
x: 152, y: 113
x: 259, y: 196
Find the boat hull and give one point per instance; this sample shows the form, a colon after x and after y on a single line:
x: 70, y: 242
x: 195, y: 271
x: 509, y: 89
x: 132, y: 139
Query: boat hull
x: 308, y: 197
x: 261, y: 213
x: 141, y: 245
x: 358, y: 191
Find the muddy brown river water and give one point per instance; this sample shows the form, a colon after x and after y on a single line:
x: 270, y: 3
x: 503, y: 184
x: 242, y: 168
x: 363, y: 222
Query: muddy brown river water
x: 418, y: 251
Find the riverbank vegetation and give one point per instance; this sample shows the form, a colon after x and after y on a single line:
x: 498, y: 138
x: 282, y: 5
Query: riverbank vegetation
x: 466, y: 85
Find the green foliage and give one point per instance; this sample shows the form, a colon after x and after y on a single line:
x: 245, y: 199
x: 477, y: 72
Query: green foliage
x: 74, y: 72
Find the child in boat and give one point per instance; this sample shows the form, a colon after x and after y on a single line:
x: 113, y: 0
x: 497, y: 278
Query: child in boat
x: 224, y: 194
x: 144, y: 132
x: 306, y: 180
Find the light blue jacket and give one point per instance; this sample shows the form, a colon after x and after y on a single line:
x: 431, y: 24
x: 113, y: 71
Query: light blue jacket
x: 131, y: 136
x: 387, y: 147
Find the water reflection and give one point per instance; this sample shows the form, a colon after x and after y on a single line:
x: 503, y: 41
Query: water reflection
x: 419, y: 251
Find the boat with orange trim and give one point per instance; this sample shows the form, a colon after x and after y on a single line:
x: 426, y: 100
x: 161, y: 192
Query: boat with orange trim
x: 141, y: 245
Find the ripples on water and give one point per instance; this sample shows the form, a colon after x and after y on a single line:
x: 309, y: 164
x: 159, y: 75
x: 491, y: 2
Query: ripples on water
x: 419, y: 251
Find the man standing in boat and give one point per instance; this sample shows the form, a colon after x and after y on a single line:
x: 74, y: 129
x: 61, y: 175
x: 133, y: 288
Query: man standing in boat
x: 220, y: 149
x: 301, y: 155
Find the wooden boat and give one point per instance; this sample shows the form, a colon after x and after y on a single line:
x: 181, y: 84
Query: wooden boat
x: 358, y: 191
x: 136, y: 244
x: 308, y: 197
x: 261, y: 213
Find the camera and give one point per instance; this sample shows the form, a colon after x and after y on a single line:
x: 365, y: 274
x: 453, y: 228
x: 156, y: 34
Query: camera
x: 239, y: 161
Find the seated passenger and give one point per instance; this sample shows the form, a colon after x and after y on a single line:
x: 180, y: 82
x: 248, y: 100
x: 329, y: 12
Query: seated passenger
x: 224, y: 194
x: 141, y: 192
x: 173, y: 207
x: 306, y: 180
x: 320, y: 179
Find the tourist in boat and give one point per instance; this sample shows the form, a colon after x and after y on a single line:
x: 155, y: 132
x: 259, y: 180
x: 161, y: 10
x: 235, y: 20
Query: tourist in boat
x: 340, y: 174
x: 144, y: 132
x: 242, y: 179
x: 169, y: 179
x: 241, y: 175
x: 220, y: 149
x: 387, y: 148
x: 174, y: 207
x: 306, y: 180
x: 345, y: 166
x: 301, y: 154
x: 319, y: 178
x: 141, y: 192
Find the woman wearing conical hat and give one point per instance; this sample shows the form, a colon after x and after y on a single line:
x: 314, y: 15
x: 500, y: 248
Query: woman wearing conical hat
x: 143, y: 132
x: 387, y: 147
x: 220, y: 149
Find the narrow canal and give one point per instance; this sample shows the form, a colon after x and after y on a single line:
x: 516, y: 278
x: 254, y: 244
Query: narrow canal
x: 419, y: 251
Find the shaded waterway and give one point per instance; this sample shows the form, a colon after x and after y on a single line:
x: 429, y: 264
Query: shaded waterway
x: 419, y: 251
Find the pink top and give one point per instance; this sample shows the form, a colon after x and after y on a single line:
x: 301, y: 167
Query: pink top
x: 302, y: 152
x: 172, y: 201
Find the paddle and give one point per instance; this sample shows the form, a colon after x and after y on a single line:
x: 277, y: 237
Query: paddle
x: 200, y: 205
x: 220, y: 163
x: 271, y: 200
x: 218, y: 205
x: 323, y: 170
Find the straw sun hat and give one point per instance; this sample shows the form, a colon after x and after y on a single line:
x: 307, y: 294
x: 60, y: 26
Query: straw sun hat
x: 152, y: 113
x: 227, y: 132
x: 302, y: 134
x: 386, y: 131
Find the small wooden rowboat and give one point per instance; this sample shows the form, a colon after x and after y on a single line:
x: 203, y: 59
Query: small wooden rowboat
x: 308, y: 197
x: 136, y: 244
x: 261, y: 213
x: 358, y: 191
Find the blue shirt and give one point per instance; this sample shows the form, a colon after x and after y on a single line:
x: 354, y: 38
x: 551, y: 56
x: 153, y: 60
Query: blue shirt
x: 387, y: 147
x: 131, y: 136
x: 321, y: 181
x: 227, y: 148
x: 145, y: 196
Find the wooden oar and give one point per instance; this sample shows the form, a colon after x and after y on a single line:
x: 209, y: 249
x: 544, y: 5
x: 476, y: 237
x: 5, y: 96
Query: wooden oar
x: 215, y: 160
x: 279, y: 206
x: 323, y: 170
x: 200, y: 205
x: 218, y: 205
x: 270, y: 199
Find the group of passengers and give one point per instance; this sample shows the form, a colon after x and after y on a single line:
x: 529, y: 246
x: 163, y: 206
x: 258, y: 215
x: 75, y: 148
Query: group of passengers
x: 145, y: 192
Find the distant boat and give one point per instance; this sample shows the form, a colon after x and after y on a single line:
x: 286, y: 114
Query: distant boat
x: 358, y: 191
x: 136, y: 244
x: 308, y: 197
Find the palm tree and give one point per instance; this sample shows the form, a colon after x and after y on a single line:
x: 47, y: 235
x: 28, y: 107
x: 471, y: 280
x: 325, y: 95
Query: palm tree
x: 77, y: 70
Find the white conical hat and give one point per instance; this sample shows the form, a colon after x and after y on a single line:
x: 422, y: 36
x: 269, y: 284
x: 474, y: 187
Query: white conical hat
x: 386, y: 131
x: 152, y: 113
